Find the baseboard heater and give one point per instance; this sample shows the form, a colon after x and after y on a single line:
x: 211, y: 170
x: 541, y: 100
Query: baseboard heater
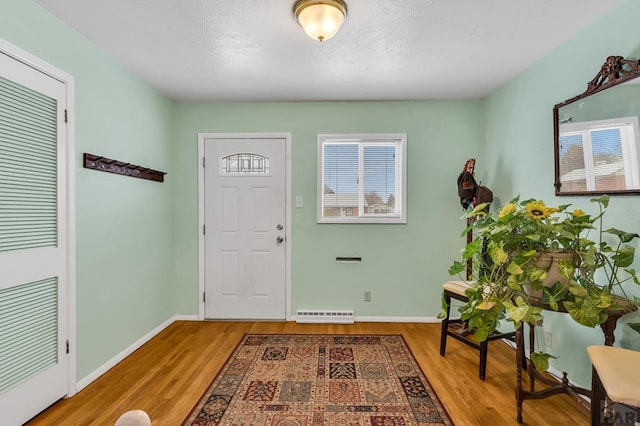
x: 305, y: 316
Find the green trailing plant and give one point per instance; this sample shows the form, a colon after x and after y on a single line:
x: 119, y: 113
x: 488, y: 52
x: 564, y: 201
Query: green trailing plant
x: 512, y: 281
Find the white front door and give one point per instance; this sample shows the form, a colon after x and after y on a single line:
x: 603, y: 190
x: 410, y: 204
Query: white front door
x: 245, y: 219
x: 34, y: 360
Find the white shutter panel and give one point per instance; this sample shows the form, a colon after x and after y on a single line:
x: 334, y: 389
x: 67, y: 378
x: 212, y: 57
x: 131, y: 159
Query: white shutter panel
x: 28, y: 330
x: 28, y: 168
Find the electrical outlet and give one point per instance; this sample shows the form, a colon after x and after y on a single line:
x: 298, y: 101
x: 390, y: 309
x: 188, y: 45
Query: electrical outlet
x: 367, y: 295
x: 548, y: 338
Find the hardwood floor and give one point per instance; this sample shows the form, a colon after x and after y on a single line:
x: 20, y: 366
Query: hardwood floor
x: 166, y: 376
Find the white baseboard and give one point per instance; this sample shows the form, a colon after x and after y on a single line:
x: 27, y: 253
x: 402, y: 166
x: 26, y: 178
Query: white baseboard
x: 88, y: 379
x: 186, y: 318
x: 387, y: 319
x: 396, y: 319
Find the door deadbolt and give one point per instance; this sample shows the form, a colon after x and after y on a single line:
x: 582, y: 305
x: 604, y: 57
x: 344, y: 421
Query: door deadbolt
x: 279, y: 227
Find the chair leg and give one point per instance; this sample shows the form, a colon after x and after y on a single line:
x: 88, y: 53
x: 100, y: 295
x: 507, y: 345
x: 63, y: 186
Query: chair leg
x: 598, y: 396
x: 484, y: 347
x: 445, y: 325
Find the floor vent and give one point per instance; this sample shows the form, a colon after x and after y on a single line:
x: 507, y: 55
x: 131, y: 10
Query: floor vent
x: 327, y: 317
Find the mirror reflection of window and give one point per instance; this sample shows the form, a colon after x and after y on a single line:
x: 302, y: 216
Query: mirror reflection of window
x: 599, y: 155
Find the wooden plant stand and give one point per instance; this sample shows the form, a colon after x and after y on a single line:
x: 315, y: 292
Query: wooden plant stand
x: 554, y: 387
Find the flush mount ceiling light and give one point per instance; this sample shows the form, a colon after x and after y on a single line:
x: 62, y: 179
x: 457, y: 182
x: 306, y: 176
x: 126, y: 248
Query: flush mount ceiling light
x: 320, y: 19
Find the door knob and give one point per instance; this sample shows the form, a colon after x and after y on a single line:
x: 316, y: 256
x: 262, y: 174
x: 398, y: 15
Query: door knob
x: 279, y: 240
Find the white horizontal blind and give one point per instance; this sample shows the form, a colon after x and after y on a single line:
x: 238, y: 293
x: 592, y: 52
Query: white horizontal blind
x: 28, y: 168
x: 379, y: 179
x: 340, y: 186
x: 608, y: 162
x: 28, y: 331
x: 572, y: 166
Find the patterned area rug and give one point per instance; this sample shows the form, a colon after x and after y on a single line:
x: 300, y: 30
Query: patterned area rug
x: 299, y: 380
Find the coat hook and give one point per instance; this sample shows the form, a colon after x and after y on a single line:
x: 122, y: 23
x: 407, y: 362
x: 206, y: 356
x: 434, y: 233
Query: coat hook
x: 96, y: 162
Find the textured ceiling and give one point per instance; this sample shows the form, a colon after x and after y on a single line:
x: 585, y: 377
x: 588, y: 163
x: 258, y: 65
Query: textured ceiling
x: 253, y: 50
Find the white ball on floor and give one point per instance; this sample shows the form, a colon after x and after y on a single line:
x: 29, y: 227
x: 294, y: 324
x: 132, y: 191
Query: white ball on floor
x: 134, y: 418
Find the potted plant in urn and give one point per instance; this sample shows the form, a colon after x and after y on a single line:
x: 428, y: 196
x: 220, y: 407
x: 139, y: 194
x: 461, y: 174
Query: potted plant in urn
x: 529, y: 254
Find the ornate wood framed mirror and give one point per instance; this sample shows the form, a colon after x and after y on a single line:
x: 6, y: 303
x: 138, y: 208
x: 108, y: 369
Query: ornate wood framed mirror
x: 597, y: 135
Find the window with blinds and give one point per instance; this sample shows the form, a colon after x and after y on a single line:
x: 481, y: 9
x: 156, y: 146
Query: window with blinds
x: 28, y: 168
x: 362, y: 178
x: 599, y: 155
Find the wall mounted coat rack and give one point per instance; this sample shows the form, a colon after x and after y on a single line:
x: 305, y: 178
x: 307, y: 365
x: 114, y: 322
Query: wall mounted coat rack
x: 104, y: 164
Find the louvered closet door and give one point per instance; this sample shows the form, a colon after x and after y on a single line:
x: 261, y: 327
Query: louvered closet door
x: 33, y: 359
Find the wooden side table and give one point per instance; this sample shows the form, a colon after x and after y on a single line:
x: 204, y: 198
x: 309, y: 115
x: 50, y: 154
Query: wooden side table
x: 553, y: 387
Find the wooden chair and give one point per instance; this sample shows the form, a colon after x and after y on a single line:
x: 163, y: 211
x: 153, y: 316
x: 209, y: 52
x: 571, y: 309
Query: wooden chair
x: 615, y: 385
x: 457, y: 329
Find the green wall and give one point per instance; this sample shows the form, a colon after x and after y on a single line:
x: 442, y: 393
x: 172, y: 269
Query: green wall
x: 519, y: 149
x: 137, y: 240
x: 404, y: 266
x: 124, y: 225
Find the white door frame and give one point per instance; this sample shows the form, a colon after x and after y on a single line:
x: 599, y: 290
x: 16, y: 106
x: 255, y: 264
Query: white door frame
x: 201, y: 219
x: 67, y: 159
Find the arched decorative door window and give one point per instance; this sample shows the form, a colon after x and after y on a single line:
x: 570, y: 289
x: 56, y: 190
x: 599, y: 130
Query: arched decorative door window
x: 244, y: 164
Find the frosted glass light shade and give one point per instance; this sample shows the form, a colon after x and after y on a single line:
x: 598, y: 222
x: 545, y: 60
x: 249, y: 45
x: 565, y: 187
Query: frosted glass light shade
x: 320, y: 19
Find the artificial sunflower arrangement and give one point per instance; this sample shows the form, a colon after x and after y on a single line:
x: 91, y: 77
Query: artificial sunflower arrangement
x: 529, y: 257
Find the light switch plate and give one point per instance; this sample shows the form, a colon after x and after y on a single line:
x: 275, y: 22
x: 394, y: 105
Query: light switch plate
x: 299, y: 202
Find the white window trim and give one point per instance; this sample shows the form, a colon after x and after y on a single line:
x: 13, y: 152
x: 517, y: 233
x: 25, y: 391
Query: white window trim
x: 401, y: 176
x: 630, y: 140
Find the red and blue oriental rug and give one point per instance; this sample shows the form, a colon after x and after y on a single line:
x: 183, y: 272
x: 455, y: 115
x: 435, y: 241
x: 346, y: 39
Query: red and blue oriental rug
x: 299, y: 380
